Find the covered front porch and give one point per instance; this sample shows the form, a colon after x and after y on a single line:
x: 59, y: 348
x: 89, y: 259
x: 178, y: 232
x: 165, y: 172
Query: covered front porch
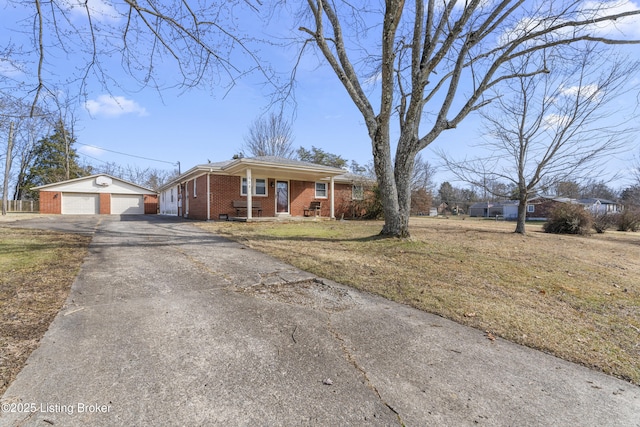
x: 293, y: 187
x: 280, y: 218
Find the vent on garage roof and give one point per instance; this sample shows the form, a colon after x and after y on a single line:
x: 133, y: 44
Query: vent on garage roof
x: 103, y: 181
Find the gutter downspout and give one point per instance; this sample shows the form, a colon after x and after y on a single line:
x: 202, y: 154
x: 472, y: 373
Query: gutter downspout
x: 332, y: 214
x: 209, y: 195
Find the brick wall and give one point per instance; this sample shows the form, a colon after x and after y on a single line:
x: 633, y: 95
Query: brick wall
x: 301, y: 194
x: 343, y: 200
x: 225, y: 189
x: 304, y: 192
x: 50, y: 202
x: 105, y: 204
x: 542, y: 209
x: 197, y: 198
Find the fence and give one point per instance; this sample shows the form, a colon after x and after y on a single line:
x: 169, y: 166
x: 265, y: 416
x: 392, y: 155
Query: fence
x: 22, y: 206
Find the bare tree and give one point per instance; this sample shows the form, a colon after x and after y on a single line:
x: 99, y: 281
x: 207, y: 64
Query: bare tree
x: 271, y: 136
x: 147, y: 177
x: 200, y: 40
x: 436, y: 61
x: 18, y: 132
x: 552, y: 127
x: 636, y: 169
x: 423, y: 174
x: 29, y: 131
x: 598, y: 189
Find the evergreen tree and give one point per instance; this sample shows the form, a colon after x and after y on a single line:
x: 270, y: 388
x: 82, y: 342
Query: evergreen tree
x: 54, y: 160
x: 321, y: 157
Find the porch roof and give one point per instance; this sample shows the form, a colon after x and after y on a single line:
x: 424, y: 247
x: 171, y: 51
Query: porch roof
x: 272, y: 167
x: 281, y: 168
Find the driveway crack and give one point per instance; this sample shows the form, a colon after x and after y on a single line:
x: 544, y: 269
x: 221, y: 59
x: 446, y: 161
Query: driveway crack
x: 354, y: 362
x: 202, y: 266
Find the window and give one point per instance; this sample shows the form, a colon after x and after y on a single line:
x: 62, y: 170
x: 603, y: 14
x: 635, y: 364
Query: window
x: 531, y: 208
x: 357, y: 192
x: 195, y: 181
x: 259, y: 187
x: 172, y: 195
x: 321, y: 190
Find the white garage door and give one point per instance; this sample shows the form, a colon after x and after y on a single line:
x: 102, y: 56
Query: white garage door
x: 80, y: 203
x: 127, y: 204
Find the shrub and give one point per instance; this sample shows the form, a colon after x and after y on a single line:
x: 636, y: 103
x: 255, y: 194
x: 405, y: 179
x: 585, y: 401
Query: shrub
x: 629, y: 220
x: 602, y: 222
x: 567, y: 218
x: 370, y: 207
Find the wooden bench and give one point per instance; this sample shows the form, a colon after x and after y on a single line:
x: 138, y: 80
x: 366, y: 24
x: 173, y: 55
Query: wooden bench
x: 241, y: 205
x: 313, y: 207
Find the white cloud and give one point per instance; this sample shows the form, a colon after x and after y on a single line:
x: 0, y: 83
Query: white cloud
x: 114, y: 106
x: 555, y: 121
x: 101, y: 10
x: 91, y: 150
x: 373, y: 79
x: 628, y: 27
x: 623, y: 28
x: 8, y: 68
x: 586, y: 91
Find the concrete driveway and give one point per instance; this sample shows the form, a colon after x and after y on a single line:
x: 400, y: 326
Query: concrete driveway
x: 169, y: 325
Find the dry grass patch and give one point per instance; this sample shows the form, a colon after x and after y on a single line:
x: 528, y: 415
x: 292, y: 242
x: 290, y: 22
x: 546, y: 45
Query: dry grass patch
x: 575, y: 297
x: 37, y: 269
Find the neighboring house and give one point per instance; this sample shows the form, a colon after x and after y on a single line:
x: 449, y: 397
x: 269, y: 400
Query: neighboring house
x: 507, y: 209
x: 97, y: 194
x: 510, y: 209
x: 262, y: 186
x: 481, y: 209
x: 600, y: 206
x: 539, y: 208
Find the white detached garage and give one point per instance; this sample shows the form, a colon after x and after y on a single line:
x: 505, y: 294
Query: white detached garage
x: 97, y: 194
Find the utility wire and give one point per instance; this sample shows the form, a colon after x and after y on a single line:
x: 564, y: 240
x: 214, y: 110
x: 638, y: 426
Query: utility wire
x: 94, y: 158
x: 125, y: 154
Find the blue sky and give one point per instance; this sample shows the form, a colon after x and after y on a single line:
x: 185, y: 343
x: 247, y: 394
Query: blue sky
x: 197, y: 125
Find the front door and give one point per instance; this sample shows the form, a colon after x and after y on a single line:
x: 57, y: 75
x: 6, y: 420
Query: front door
x: 282, y: 197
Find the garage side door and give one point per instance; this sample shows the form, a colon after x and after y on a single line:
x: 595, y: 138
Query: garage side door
x: 127, y: 204
x: 80, y: 204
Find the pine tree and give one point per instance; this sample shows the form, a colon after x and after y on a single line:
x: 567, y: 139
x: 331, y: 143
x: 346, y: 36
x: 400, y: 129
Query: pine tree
x: 54, y: 160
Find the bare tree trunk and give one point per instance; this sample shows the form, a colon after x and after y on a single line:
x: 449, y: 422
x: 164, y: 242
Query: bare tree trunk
x: 403, y: 173
x: 522, y: 214
x: 386, y: 183
x: 7, y: 171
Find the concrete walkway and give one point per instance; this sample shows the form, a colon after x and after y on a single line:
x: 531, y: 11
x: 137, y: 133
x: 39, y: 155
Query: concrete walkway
x: 167, y: 325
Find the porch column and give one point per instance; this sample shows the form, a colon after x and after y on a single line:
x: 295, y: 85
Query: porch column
x: 331, y: 202
x: 249, y: 197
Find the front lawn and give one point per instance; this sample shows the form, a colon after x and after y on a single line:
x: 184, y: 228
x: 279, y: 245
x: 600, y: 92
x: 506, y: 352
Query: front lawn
x: 37, y: 269
x: 575, y: 297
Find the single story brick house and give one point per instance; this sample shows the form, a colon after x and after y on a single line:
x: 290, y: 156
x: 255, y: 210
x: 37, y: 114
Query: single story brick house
x: 539, y: 208
x: 97, y: 194
x: 263, y: 186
